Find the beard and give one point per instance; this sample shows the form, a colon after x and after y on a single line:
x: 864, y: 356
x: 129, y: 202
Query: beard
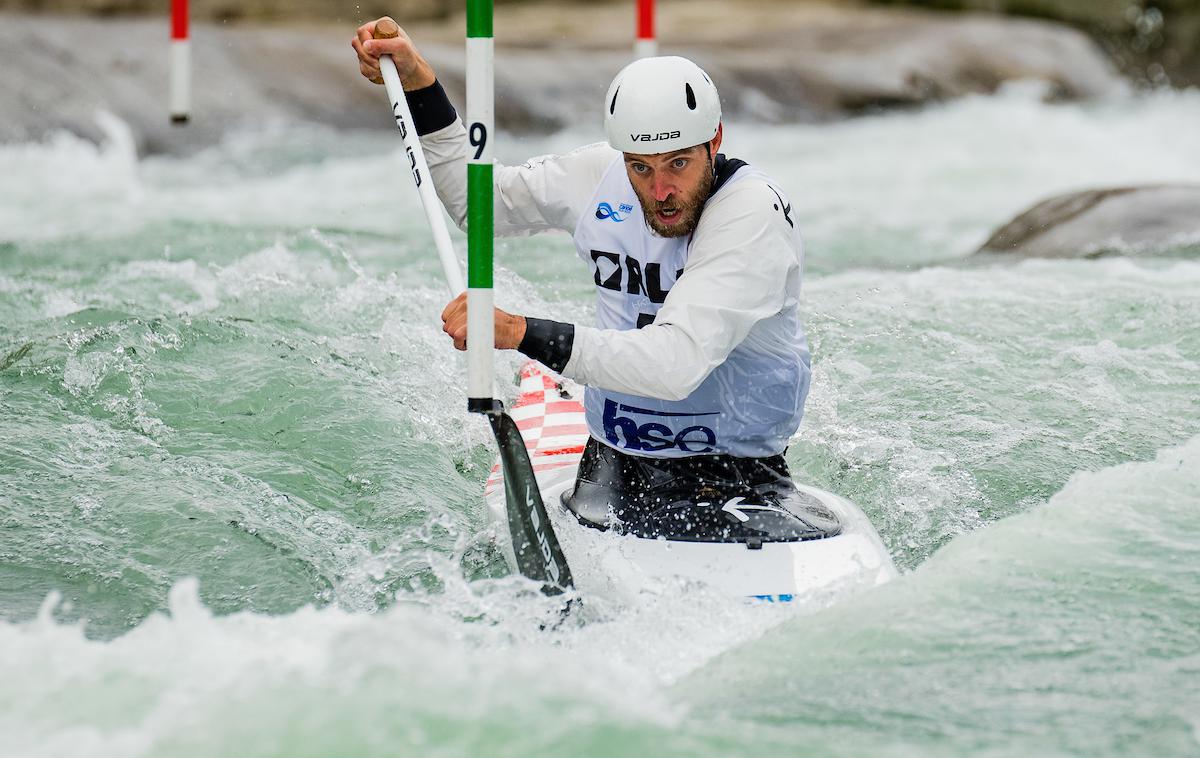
x: 689, y: 208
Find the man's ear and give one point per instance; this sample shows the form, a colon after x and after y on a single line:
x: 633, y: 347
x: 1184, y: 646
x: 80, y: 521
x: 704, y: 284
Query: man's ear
x: 716, y: 141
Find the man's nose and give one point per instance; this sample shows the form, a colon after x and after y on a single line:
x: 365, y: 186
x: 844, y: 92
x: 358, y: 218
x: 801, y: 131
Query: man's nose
x: 663, y: 189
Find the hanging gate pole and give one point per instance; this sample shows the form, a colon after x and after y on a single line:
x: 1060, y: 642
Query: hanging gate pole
x: 181, y: 64
x: 646, y: 45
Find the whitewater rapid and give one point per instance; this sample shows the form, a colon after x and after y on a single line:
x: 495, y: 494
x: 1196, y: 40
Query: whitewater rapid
x: 240, y: 500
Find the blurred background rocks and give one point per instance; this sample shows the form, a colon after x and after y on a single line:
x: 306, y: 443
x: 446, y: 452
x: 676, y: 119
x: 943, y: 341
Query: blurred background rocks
x: 1156, y: 42
x: 776, y: 61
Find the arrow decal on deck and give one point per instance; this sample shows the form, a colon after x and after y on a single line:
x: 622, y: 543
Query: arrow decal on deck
x: 737, y: 506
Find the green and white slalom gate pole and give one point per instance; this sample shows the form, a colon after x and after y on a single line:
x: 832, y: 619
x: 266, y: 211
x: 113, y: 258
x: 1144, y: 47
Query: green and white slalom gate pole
x: 480, y: 225
x: 535, y: 546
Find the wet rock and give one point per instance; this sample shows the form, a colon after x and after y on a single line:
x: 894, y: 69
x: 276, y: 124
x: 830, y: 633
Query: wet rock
x: 1155, y: 220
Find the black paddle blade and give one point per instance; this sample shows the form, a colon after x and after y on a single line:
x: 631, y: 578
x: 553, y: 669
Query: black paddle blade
x: 539, y: 556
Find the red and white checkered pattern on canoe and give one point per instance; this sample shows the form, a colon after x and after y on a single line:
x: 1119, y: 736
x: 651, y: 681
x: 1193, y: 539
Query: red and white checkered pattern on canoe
x: 553, y: 426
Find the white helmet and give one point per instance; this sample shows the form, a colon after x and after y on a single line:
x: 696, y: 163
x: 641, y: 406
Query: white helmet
x: 658, y: 105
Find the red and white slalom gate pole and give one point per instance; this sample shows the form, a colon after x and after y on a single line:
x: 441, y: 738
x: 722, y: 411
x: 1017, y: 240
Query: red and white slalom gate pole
x: 646, y: 45
x: 181, y: 63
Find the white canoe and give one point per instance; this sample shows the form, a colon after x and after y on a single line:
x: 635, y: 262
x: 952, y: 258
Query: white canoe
x: 550, y: 415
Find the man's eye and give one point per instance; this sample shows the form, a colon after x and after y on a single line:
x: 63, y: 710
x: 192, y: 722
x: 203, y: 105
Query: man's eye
x: 679, y: 162
x: 640, y: 168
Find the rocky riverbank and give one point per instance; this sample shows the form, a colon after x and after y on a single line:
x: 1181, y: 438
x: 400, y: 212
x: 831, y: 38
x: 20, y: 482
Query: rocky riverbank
x: 774, y: 61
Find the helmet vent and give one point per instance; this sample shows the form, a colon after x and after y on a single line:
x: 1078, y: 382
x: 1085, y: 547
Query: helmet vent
x: 612, y: 108
x: 691, y: 97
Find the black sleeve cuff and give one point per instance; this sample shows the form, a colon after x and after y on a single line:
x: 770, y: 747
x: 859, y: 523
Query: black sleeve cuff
x: 431, y: 108
x: 548, y: 341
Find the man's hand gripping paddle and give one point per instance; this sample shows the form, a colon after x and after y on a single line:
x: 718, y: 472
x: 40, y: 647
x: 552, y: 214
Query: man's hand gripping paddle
x: 539, y: 556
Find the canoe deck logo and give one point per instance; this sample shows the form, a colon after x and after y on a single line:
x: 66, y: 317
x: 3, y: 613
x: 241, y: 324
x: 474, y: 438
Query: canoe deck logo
x: 605, y: 211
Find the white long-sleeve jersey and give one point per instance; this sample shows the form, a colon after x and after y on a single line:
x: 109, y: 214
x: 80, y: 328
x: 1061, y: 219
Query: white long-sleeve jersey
x: 699, y: 346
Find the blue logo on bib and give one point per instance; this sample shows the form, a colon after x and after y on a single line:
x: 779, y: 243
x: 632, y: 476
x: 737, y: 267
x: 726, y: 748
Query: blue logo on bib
x: 653, y: 436
x: 605, y: 211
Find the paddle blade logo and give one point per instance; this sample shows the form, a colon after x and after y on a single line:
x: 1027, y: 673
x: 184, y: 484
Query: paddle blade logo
x: 531, y: 502
x: 605, y: 211
x: 534, y: 543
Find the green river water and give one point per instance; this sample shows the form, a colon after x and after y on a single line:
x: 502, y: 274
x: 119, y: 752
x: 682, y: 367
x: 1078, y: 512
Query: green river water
x: 240, y: 506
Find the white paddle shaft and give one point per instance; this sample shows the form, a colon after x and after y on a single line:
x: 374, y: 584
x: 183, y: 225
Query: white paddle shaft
x: 420, y: 170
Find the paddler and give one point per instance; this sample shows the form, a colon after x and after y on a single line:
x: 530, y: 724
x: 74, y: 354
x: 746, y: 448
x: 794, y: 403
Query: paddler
x: 697, y: 369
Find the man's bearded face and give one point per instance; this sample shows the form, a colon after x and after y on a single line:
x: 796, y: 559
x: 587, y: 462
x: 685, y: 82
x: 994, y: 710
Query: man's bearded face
x: 672, y: 188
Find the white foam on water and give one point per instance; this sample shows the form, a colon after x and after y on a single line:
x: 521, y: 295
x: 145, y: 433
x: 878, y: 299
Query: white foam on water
x: 1069, y: 628
x: 415, y: 677
x: 909, y: 188
x: 102, y: 190
x: 893, y: 189
x: 54, y: 187
x: 455, y: 672
x: 932, y: 387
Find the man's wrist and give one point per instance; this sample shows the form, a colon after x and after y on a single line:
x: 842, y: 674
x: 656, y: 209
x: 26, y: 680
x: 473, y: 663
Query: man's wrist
x: 516, y: 331
x: 421, y: 77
